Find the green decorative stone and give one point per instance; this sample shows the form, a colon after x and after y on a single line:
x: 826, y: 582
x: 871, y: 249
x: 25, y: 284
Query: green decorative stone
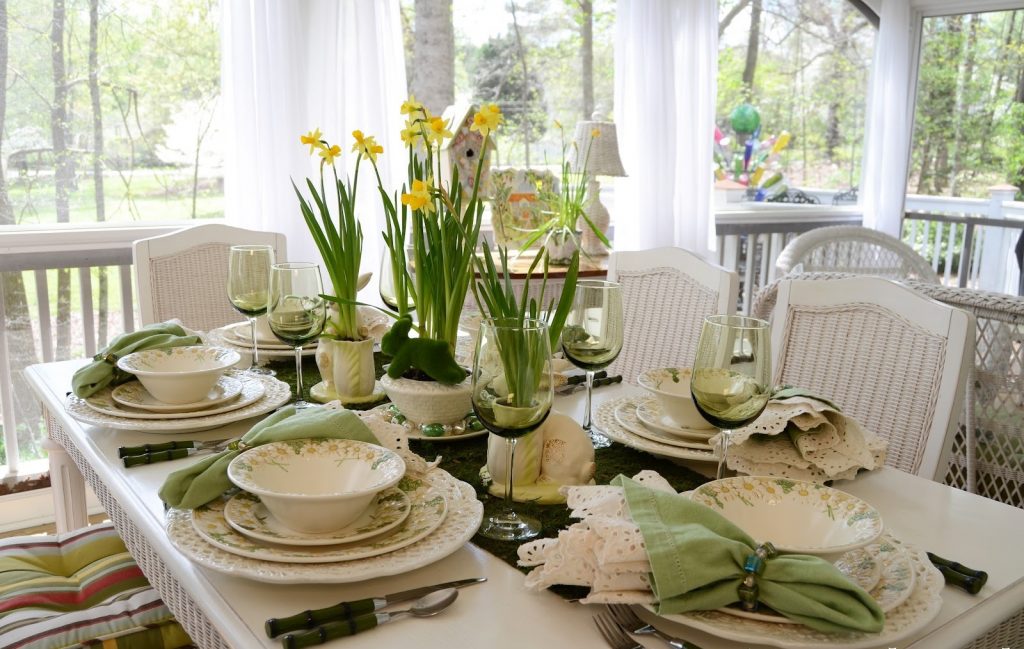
x: 398, y: 418
x: 745, y: 119
x: 473, y: 424
x: 432, y: 430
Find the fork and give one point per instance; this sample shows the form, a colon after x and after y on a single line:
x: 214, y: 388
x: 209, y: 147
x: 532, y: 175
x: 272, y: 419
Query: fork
x: 628, y: 620
x: 613, y: 633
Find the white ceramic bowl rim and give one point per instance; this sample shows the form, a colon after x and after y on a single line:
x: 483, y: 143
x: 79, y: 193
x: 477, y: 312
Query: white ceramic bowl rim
x: 225, y: 358
x: 393, y: 464
x: 647, y: 381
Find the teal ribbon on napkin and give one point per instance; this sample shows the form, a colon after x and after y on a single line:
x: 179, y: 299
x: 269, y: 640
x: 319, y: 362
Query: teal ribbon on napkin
x: 200, y: 483
x: 697, y: 563
x: 103, y: 371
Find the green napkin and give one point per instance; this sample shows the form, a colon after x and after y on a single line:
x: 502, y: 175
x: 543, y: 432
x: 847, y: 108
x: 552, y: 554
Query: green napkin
x: 103, y: 371
x: 200, y: 483
x: 697, y: 559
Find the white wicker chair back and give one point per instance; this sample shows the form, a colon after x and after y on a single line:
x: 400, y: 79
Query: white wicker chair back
x: 853, y: 249
x: 666, y: 293
x: 892, y: 358
x: 184, y: 274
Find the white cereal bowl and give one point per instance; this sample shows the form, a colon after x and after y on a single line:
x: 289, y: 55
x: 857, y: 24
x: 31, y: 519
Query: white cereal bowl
x: 316, y: 485
x: 794, y: 515
x: 671, y: 385
x: 179, y: 375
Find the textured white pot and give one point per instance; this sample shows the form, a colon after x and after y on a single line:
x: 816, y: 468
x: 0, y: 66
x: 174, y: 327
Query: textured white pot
x: 346, y: 366
x: 560, y: 246
x: 429, y: 402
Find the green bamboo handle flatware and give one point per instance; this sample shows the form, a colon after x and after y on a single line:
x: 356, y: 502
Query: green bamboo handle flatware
x: 959, y: 575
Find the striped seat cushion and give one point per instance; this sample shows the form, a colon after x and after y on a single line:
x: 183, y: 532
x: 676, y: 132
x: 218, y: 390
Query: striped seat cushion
x: 80, y: 589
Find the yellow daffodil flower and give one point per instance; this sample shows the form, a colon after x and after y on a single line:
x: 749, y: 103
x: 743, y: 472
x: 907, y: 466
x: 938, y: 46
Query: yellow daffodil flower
x: 437, y: 130
x: 558, y: 125
x: 312, y: 139
x: 330, y: 153
x: 419, y: 197
x: 366, y: 146
x: 410, y: 105
x: 487, y: 119
x: 595, y: 133
x: 410, y: 133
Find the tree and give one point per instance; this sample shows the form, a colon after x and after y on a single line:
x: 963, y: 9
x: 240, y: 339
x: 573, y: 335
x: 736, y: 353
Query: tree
x: 433, y: 70
x: 586, y: 19
x: 97, y: 158
x: 64, y: 173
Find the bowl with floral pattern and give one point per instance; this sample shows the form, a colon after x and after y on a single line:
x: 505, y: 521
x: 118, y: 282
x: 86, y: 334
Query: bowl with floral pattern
x: 179, y: 375
x: 794, y: 515
x: 317, y: 485
x: 671, y: 385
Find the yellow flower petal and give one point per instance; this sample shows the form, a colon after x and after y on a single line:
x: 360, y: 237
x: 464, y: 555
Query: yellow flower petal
x: 312, y: 139
x: 595, y: 133
x: 330, y: 153
x: 366, y: 146
x: 419, y: 197
x: 487, y: 119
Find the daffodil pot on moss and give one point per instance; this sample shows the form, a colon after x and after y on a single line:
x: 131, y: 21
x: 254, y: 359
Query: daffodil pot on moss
x: 560, y: 246
x: 429, y: 402
x: 346, y: 366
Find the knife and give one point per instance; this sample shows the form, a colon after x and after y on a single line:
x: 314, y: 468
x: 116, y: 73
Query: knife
x: 345, y: 610
x: 959, y: 575
x: 570, y: 388
x: 151, y: 453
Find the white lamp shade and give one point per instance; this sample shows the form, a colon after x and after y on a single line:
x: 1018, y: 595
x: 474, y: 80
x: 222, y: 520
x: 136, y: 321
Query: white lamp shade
x: 604, y: 149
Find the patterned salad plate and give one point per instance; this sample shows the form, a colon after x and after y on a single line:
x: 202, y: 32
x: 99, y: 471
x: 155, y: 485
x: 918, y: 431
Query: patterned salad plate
x: 274, y: 395
x: 457, y: 527
x: 604, y: 417
x: 251, y: 390
x: 796, y: 516
x: 224, y: 337
x: 626, y: 415
x: 134, y: 395
x: 248, y: 515
x: 649, y: 412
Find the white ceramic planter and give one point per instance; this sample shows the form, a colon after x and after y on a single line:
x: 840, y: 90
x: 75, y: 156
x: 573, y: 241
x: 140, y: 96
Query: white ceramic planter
x: 429, y: 402
x: 560, y: 246
x: 346, y: 366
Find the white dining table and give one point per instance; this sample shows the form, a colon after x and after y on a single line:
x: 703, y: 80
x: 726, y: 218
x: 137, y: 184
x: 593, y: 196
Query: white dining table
x: 220, y: 610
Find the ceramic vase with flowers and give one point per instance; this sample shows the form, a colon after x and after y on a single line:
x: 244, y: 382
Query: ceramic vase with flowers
x: 431, y: 234
x: 344, y: 355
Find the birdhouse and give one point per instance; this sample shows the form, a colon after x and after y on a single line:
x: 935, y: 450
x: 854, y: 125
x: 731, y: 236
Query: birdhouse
x: 463, y: 149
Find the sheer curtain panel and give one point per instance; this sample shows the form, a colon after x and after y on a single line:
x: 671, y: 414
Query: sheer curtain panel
x: 666, y: 63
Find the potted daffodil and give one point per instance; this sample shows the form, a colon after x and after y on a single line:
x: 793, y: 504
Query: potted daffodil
x: 344, y: 354
x: 432, y: 232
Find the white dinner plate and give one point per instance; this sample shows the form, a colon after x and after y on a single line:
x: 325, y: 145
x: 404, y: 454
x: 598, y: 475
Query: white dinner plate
x: 626, y: 415
x: 133, y: 395
x: 275, y: 394
x: 649, y: 412
x: 604, y: 417
x: 918, y: 609
x: 248, y: 515
x: 460, y: 524
x: 103, y: 402
x: 221, y: 338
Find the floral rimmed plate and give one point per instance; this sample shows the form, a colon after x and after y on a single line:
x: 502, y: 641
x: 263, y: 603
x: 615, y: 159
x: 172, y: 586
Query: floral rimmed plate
x: 251, y: 390
x: 626, y: 415
x: 460, y: 524
x: 224, y: 338
x: 604, y: 417
x: 428, y: 508
x: 134, y: 395
x: 248, y: 515
x: 796, y: 516
x: 276, y: 394
x: 649, y: 412
x: 918, y: 609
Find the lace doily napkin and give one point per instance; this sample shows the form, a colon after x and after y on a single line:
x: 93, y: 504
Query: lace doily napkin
x: 604, y: 551
x: 803, y: 438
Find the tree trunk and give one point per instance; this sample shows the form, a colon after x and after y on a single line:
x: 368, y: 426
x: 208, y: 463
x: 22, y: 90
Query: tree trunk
x: 21, y: 345
x: 526, y: 80
x: 433, y: 76
x: 63, y: 170
x: 963, y: 102
x: 753, y: 42
x: 97, y: 161
x: 924, y: 177
x: 587, y: 56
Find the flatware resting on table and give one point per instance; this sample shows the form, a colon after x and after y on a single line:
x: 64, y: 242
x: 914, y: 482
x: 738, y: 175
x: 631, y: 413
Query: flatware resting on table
x: 151, y: 453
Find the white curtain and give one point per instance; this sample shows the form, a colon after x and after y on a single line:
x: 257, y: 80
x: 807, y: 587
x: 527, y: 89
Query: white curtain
x: 290, y: 67
x: 666, y: 54
x: 890, y: 119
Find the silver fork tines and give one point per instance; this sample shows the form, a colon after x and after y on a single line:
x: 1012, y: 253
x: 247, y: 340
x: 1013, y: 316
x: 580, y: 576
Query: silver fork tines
x: 613, y: 633
x: 626, y: 618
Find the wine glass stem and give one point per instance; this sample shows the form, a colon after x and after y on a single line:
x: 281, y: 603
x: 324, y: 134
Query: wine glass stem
x: 255, y: 347
x: 298, y: 373
x: 586, y: 411
x: 510, y: 446
x: 725, y: 451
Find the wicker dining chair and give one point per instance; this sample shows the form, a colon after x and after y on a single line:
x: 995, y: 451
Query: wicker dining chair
x: 892, y: 358
x: 853, y: 249
x: 184, y: 274
x: 666, y: 292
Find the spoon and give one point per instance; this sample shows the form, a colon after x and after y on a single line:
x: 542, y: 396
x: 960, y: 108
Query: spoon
x: 426, y: 606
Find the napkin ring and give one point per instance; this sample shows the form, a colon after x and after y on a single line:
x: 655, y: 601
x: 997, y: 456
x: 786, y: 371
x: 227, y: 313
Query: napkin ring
x: 754, y: 566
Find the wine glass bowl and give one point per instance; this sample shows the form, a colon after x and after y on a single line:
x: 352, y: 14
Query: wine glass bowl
x: 512, y: 391
x: 592, y: 337
x: 248, y: 285
x: 296, y: 311
x: 731, y: 379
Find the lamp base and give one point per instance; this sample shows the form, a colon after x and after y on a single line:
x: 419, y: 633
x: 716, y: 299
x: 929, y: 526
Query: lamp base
x: 598, y: 213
